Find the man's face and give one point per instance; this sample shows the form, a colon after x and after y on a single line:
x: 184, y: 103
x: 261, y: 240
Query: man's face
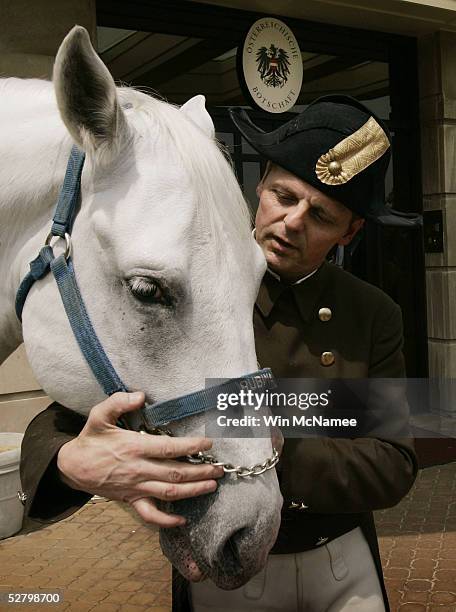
x: 297, y: 225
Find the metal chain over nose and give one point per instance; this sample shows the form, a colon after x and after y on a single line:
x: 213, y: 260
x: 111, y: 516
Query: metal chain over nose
x: 237, y: 470
x: 228, y: 468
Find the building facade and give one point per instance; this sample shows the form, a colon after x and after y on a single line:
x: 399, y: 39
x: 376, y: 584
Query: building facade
x: 397, y: 56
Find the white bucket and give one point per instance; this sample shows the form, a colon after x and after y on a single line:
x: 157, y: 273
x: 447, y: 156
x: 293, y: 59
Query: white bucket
x: 11, y: 508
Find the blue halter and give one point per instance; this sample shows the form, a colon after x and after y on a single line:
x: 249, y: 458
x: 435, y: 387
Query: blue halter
x: 149, y: 416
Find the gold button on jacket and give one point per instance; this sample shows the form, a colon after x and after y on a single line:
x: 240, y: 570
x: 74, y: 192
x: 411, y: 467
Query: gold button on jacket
x: 327, y: 358
x: 325, y: 314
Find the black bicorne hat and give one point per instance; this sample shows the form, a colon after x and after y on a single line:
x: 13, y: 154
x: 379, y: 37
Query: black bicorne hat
x: 338, y: 146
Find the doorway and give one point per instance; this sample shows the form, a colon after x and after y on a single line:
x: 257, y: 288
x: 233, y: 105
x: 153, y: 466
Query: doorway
x: 183, y: 48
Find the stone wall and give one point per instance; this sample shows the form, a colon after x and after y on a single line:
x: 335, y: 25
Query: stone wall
x: 437, y: 62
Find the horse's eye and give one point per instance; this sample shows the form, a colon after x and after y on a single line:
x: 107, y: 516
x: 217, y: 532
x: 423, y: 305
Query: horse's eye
x: 146, y: 289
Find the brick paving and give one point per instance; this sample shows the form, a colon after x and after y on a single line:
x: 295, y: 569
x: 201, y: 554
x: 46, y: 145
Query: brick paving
x: 418, y: 544
x: 102, y: 559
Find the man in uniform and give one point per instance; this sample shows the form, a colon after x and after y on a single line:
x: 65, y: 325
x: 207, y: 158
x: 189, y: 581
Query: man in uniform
x: 325, y: 175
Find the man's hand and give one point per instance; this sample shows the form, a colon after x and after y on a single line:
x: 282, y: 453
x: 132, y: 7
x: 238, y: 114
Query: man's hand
x: 128, y: 466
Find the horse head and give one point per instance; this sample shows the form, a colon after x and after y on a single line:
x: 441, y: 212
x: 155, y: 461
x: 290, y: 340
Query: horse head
x: 169, y: 272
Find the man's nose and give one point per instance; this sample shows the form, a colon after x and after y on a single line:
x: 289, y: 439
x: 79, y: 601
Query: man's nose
x: 296, y: 216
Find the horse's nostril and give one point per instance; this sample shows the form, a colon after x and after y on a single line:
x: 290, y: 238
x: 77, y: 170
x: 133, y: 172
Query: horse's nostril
x: 230, y: 550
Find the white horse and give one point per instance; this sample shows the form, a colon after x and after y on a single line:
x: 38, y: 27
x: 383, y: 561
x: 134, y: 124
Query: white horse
x: 166, y: 265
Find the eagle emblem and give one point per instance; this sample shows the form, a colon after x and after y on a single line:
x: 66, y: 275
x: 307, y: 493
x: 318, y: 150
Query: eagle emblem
x: 273, y: 66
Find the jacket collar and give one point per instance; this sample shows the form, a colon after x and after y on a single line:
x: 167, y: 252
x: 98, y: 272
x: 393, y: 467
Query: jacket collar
x: 270, y: 290
x: 306, y: 293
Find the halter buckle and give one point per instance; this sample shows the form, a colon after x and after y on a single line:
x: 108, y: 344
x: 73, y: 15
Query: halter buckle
x: 68, y: 248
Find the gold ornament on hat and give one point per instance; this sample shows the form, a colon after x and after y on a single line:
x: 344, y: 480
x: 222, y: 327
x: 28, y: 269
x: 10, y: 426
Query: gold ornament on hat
x: 353, y: 154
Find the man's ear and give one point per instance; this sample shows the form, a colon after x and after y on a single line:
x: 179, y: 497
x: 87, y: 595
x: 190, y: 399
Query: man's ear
x: 354, y: 228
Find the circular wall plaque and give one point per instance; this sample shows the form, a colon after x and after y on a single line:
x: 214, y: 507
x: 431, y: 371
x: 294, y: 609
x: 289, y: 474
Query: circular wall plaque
x: 270, y: 65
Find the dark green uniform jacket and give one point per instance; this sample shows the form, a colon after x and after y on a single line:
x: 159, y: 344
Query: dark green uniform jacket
x: 330, y: 485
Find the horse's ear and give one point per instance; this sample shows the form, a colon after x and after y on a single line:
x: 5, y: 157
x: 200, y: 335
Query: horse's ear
x: 86, y: 93
x: 195, y: 109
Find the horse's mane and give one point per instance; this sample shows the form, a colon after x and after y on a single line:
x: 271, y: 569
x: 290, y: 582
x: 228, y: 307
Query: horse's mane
x: 218, y: 192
